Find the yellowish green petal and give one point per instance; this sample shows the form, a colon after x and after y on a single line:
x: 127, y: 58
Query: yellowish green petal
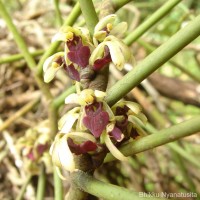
x: 119, y: 29
x: 84, y: 135
x: 50, y: 73
x: 104, y: 21
x: 72, y: 98
x: 116, y: 54
x: 97, y: 53
x: 61, y: 154
x: 112, y: 148
x: 99, y: 95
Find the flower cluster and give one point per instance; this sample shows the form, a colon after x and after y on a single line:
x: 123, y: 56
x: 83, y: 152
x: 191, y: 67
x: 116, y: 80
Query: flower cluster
x: 82, y: 51
x: 34, y: 148
x: 92, y: 126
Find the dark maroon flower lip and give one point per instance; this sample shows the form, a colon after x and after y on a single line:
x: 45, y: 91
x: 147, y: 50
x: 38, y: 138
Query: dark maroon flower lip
x: 122, y: 124
x: 117, y: 134
x: 122, y: 110
x: 84, y: 147
x: 102, y: 62
x: 78, y: 53
x: 75, y: 43
x: 96, y: 118
x: 30, y: 155
x: 134, y: 134
x: 59, y: 60
x: 72, y: 72
x: 41, y: 148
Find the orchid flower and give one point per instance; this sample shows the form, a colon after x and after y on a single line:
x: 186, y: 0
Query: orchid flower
x: 76, y: 56
x: 34, y: 147
x: 111, y: 50
x: 108, y: 26
x: 52, y: 65
x: 128, y: 114
x: 77, y: 45
x: 65, y: 145
x: 97, y: 117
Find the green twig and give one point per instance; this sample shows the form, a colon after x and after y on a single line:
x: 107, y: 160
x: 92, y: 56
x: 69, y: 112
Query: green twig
x: 175, y: 147
x: 183, y: 170
x: 53, y: 117
x: 157, y: 16
x: 58, y: 188
x: 75, y: 193
x: 23, y: 190
x: 103, y: 190
x: 154, y: 61
x: 23, y: 48
x: 151, y: 48
x: 16, y: 57
x: 161, y: 137
x: 117, y: 4
x: 18, y: 38
x: 41, y: 184
x: 58, y: 13
x: 58, y: 101
x: 89, y: 14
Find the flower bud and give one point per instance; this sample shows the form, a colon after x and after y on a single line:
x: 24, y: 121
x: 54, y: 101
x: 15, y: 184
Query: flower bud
x: 52, y: 65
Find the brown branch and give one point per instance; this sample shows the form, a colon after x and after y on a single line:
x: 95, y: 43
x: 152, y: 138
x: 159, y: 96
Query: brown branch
x: 19, y: 113
x: 185, y: 91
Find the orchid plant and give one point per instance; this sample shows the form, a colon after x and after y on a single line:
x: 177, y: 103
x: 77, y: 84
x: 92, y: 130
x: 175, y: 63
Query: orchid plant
x: 92, y: 127
x: 34, y: 147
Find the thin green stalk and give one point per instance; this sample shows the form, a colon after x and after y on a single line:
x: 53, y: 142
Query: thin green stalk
x: 74, y: 14
x: 175, y: 147
x: 183, y: 170
x: 161, y: 137
x: 179, y: 162
x: 16, y: 57
x: 58, y: 13
x: 23, y: 190
x: 53, y: 117
x: 75, y: 193
x: 151, y: 48
x: 119, y: 3
x: 185, y: 70
x: 104, y: 190
x: 58, y: 101
x: 89, y: 14
x: 58, y: 186
x: 23, y: 48
x: 18, y: 39
x: 154, y: 61
x: 41, y: 184
x: 157, y: 16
